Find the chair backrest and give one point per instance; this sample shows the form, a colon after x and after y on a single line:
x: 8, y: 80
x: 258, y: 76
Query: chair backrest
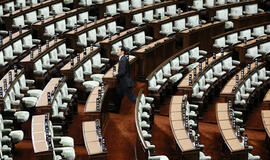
x: 92, y: 35
x: 149, y: 2
x: 123, y: 6
x: 258, y: 30
x: 53, y: 54
x: 218, y: 68
x: 167, y: 69
x: 175, y: 62
x: 222, y: 14
x: 180, y: 23
x: 171, y: 9
x: 8, y: 5
x: 46, y: 59
x: 86, y: 2
x: 115, y: 46
x: 44, y: 11
x: 184, y: 58
x: 160, y: 11
x: 193, y: 20
x: 167, y: 27
x: 78, y: 74
x: 148, y: 15
x: 252, y: 50
x: 7, y: 104
x: 19, y: 21
x: 209, y: 3
x: 195, y: 88
x: 27, y: 40
x: 128, y: 42
x: 159, y: 75
x: 265, y: 47
x: 71, y: 20
x: 247, y: 83
x: 194, y: 52
x: 152, y: 82
x: 198, y: 4
x: 62, y: 50
x: 209, y: 74
x: 220, y: 41
x: 17, y: 46
x: 136, y: 3
x: 50, y: 29
x: 111, y: 27
x: 102, y: 30
x: 112, y: 8
x: 138, y: 17
x: 61, y: 25
x: 140, y: 38
x: 245, y: 33
x: 2, y: 61
x: 87, y: 66
x: 82, y: 39
x: 237, y: 11
x: 31, y: 16
x: 8, y: 51
x: 233, y: 37
x: 251, y: 8
x: 96, y: 59
x: 58, y: 8
x: 83, y: 16
x: 38, y: 65
x: 221, y: 1
x: 202, y: 81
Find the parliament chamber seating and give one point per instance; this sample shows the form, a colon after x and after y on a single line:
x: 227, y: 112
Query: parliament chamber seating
x: 195, y: 64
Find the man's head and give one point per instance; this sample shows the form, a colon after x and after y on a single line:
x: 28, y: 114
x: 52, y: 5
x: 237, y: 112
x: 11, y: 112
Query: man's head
x: 120, y: 51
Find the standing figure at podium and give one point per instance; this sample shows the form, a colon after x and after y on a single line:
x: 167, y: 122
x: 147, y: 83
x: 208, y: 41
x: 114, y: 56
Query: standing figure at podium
x: 124, y: 82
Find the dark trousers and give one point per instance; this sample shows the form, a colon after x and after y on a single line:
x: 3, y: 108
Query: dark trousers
x: 121, y: 92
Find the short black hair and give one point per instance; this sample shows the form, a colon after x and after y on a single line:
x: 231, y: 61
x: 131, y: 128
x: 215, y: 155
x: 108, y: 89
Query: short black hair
x: 123, y: 49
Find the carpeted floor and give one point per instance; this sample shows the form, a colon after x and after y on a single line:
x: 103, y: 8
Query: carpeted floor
x: 120, y: 133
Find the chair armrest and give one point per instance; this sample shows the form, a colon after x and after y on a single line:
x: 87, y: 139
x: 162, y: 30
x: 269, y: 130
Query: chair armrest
x: 30, y: 81
x: 66, y: 9
x: 148, y: 38
x: 203, y: 52
x: 69, y: 50
x: 3, y: 32
x: 36, y: 41
x: 149, y: 99
x: 260, y: 10
x: 72, y: 90
x: 105, y: 60
x: 120, y: 28
x: 216, y: 46
x: 235, y: 62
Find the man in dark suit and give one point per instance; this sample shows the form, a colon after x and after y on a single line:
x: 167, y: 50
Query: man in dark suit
x: 124, y: 82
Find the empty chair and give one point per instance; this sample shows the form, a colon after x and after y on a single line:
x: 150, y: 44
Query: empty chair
x: 152, y: 85
x: 46, y: 64
x: 159, y: 77
x: 232, y: 39
x: 159, y: 12
x: 62, y: 51
x: 167, y: 73
x: 54, y: 57
x: 252, y: 53
x: 123, y: 6
x: 2, y: 61
x: 218, y: 72
x: 8, y: 53
x: 18, y: 47
x: 220, y: 43
x: 8, y: 6
x: 128, y: 43
x: 167, y: 29
x: 113, y: 28
x: 65, y: 92
x: 219, y: 2
x: 60, y: 27
x: 179, y: 25
x: 87, y: 70
x: 148, y: 16
x: 140, y: 39
x: 28, y: 42
x: 115, y: 47
x: 202, y: 84
x: 229, y: 64
x: 111, y: 10
x: 175, y: 64
x: 236, y: 11
x: 64, y: 153
x: 251, y: 9
x: 197, y: 5
x: 265, y: 48
x: 18, y: 21
x: 83, y: 17
x: 31, y: 18
x: 209, y: 77
x: 56, y: 113
x: 71, y: 21
x: 258, y: 31
x: 209, y: 3
x: 245, y: 34
x: 170, y: 10
x: 45, y: 12
x: 196, y: 93
x: 238, y: 100
x: 82, y: 40
x: 38, y: 69
x: 92, y: 37
x: 264, y: 74
x: 184, y: 60
x: 196, y: 54
x: 255, y: 80
x: 222, y: 15
x: 101, y: 32
x: 97, y: 61
x: 204, y: 157
x: 192, y: 21
x: 249, y: 88
x: 136, y: 3
x: 58, y: 8
x: 267, y: 29
x: 137, y: 19
x: 78, y: 77
x: 85, y: 2
x: 60, y: 103
x: 49, y: 31
x: 243, y: 94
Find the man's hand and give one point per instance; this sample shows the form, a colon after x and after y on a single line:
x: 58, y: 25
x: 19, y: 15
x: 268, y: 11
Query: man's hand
x: 114, y: 74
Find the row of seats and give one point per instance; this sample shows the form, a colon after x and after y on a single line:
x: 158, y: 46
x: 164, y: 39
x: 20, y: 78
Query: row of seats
x: 16, y: 49
x: 149, y: 15
x: 99, y: 33
x: 171, y: 70
x: 43, y: 13
x: 9, y: 137
x: 236, y: 37
x: 144, y: 120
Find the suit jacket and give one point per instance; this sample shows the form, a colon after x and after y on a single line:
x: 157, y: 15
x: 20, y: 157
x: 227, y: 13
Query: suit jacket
x: 123, y: 75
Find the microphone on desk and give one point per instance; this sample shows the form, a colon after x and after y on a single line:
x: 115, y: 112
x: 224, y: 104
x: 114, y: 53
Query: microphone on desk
x: 1, y: 92
x: 249, y: 67
x: 42, y: 19
x: 190, y: 80
x: 1, y: 41
x: 245, y: 41
x: 47, y: 43
x: 39, y: 48
x: 75, y: 27
x: 21, y: 7
x: 10, y: 10
x: 10, y: 35
x: 20, y: 29
x: 85, y: 23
